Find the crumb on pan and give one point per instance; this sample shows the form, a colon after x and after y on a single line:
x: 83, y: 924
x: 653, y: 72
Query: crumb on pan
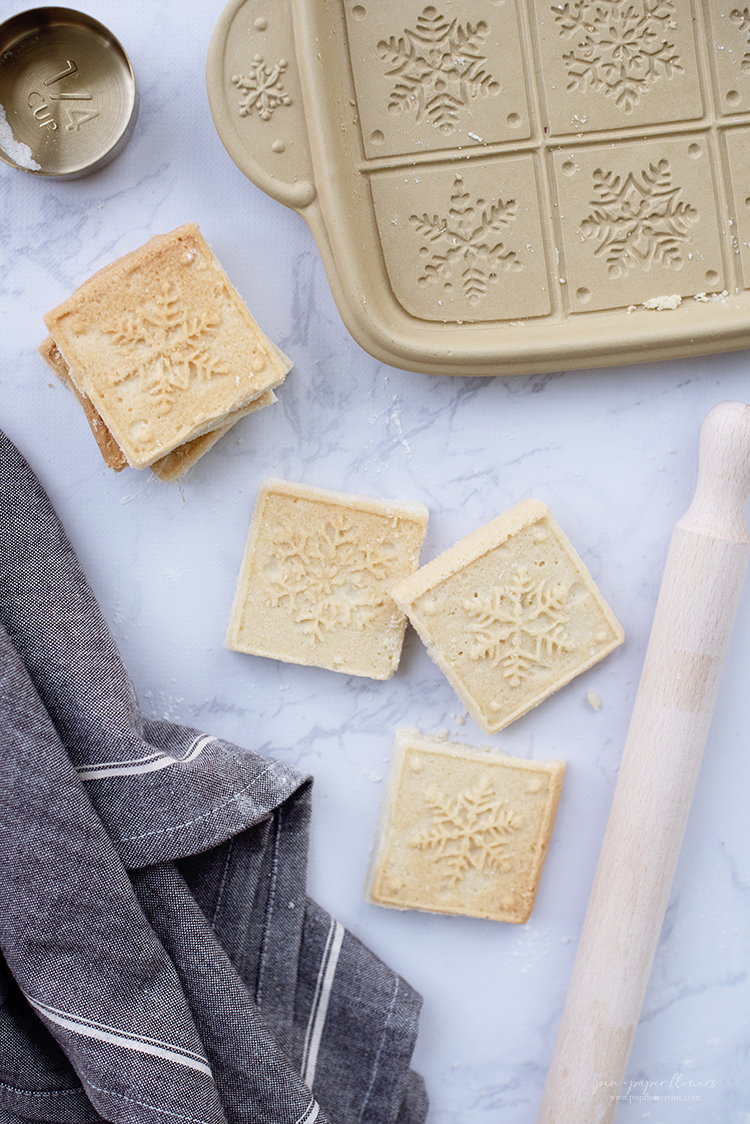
x: 662, y: 304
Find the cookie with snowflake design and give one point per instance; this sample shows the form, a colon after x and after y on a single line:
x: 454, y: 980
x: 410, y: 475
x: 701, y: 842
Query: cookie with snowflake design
x: 161, y: 350
x: 316, y: 578
x: 510, y: 614
x: 463, y: 830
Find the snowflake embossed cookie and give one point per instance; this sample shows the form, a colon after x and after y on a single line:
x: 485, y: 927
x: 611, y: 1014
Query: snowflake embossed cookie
x: 161, y: 352
x: 510, y: 614
x: 463, y: 830
x: 315, y: 582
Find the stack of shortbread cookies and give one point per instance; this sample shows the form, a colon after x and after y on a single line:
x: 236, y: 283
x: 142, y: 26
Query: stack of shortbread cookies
x: 162, y: 354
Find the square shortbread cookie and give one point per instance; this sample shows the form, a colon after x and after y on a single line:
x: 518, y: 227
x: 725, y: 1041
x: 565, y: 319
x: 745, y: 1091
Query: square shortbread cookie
x: 510, y: 614
x: 162, y: 346
x: 315, y: 582
x: 463, y: 830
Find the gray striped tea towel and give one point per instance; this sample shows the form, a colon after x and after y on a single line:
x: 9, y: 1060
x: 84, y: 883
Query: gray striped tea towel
x: 161, y: 961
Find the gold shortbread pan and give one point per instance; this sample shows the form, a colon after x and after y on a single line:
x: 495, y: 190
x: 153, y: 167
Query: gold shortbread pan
x: 506, y: 186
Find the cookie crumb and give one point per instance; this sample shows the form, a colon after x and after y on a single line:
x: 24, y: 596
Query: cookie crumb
x: 661, y: 304
x: 593, y: 700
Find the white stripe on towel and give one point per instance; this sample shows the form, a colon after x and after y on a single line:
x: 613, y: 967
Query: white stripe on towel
x: 321, y: 999
x: 310, y: 1115
x: 138, y: 765
x: 126, y: 1039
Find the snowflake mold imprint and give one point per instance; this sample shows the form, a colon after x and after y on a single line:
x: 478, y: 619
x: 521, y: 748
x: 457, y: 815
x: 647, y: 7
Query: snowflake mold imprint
x: 519, y: 625
x: 261, y: 88
x: 469, y: 831
x: 328, y: 580
x: 639, y: 220
x: 165, y: 345
x: 437, y: 69
x: 621, y: 47
x: 465, y: 240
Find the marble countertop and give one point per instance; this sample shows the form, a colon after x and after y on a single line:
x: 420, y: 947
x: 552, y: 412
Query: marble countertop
x: 612, y: 451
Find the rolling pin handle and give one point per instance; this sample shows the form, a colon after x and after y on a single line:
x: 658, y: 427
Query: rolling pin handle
x: 720, y: 501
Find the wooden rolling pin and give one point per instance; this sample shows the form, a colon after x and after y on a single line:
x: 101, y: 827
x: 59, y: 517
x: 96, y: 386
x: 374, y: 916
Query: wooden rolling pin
x: 697, y: 603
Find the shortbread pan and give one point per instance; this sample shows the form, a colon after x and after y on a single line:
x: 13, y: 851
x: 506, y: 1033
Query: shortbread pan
x: 505, y: 186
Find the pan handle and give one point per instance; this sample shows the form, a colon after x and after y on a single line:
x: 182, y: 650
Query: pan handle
x: 256, y: 100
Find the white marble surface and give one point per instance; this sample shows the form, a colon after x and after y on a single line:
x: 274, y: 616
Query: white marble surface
x: 612, y: 451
